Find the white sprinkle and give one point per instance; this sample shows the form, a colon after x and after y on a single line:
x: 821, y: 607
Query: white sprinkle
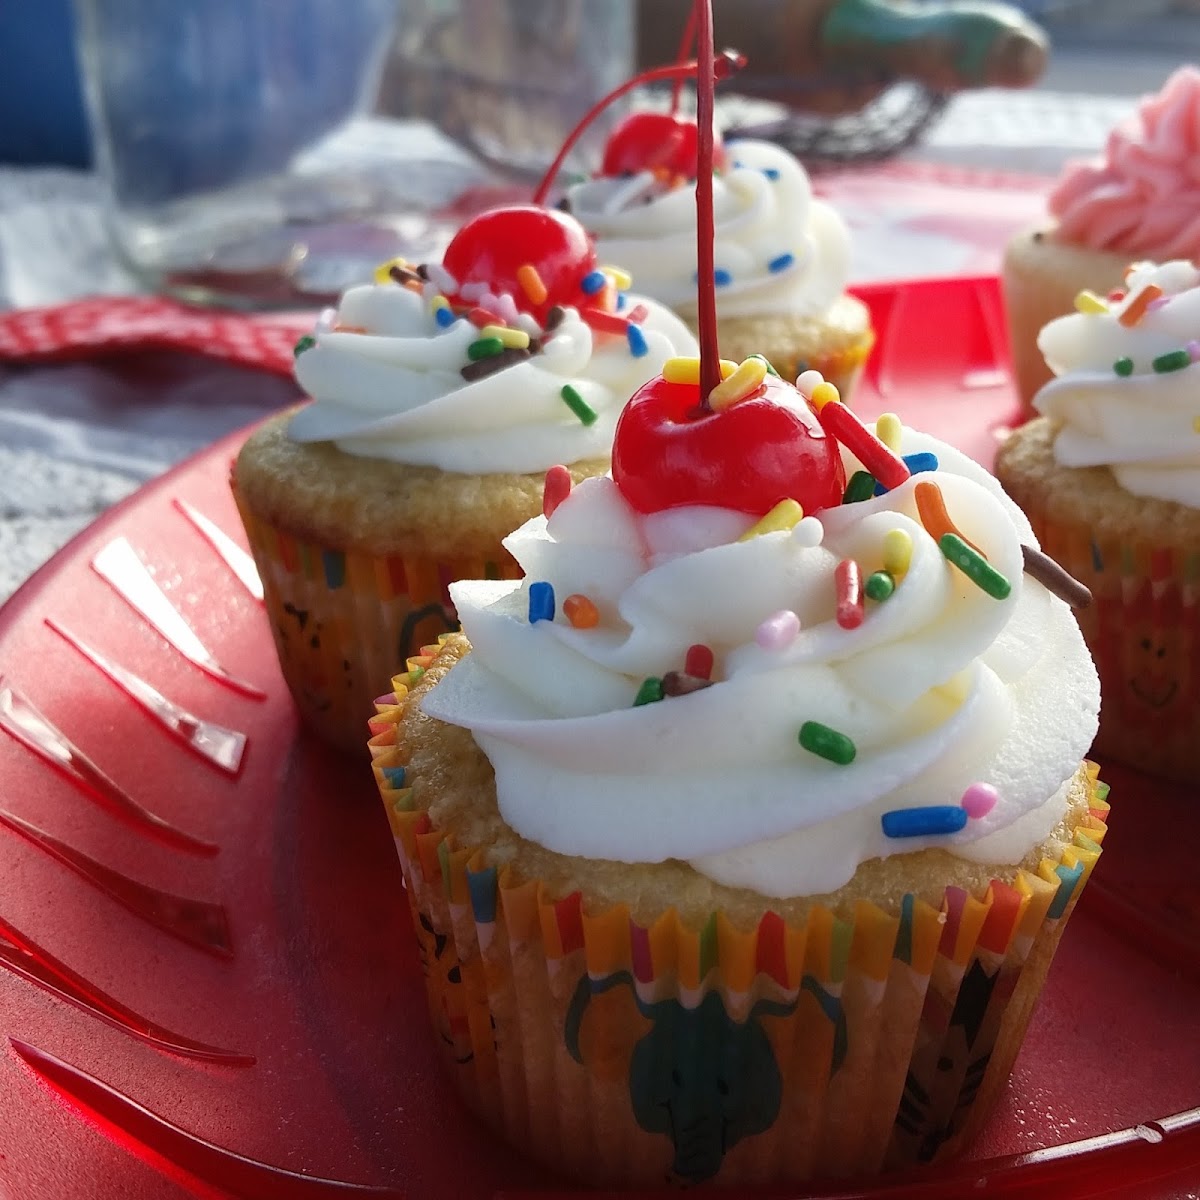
x: 444, y: 280
x: 808, y: 532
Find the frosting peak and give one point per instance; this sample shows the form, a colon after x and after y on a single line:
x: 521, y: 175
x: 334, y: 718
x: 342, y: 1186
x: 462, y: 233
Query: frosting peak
x: 605, y: 742
x: 1143, y: 196
x: 393, y: 374
x: 1127, y: 394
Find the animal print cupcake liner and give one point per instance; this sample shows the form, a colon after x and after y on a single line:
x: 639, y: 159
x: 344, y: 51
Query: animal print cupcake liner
x: 632, y: 1055
x: 336, y: 615
x: 1143, y: 631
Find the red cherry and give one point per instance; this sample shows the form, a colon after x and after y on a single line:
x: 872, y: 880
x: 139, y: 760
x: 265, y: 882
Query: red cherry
x: 493, y: 247
x: 648, y: 141
x: 746, y: 457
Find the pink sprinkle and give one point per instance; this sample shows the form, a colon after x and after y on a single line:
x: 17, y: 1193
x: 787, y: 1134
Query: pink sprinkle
x: 979, y: 800
x: 1193, y: 349
x: 778, y: 631
x: 1157, y: 303
x: 556, y: 489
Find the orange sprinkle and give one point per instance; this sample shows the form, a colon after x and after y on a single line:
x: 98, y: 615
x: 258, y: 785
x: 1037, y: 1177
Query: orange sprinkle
x: 349, y: 329
x: 1135, y: 310
x: 581, y: 612
x: 531, y: 283
x: 931, y: 507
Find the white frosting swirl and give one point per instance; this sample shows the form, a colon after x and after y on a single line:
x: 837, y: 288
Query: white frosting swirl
x: 1141, y: 425
x: 940, y: 687
x: 394, y: 390
x: 765, y: 214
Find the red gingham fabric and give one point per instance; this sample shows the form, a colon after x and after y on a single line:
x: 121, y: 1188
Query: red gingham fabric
x: 112, y: 325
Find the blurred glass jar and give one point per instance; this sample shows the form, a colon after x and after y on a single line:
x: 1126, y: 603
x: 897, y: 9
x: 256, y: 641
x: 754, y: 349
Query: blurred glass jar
x: 270, y: 152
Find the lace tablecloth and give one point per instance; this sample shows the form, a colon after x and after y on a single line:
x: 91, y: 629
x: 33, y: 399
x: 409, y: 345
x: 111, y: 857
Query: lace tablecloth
x: 75, y: 438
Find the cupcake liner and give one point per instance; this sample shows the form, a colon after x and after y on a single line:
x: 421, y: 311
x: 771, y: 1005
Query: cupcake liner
x: 337, y: 615
x: 626, y: 1053
x: 1143, y: 630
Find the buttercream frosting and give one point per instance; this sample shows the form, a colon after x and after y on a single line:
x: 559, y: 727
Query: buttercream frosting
x: 941, y: 686
x: 385, y: 379
x: 1142, y: 196
x: 777, y: 247
x: 1115, y: 408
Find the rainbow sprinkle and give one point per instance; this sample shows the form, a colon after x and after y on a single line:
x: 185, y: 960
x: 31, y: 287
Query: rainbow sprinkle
x: 1173, y: 360
x: 1123, y: 367
x: 531, y: 283
x: 650, y: 692
x: 879, y: 586
x: 979, y: 800
x: 827, y: 743
x: 785, y: 515
x: 778, y: 631
x: 581, y: 612
x: 974, y: 566
x: 578, y: 405
x: 541, y: 602
x: 923, y: 822
x: 780, y: 262
x: 638, y: 346
x: 593, y: 282
x: 305, y: 343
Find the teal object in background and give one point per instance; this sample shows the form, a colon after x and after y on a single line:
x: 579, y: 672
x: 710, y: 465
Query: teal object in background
x: 41, y: 106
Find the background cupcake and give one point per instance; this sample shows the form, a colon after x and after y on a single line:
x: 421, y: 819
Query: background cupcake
x: 1110, y: 479
x: 750, y: 836
x: 1140, y: 200
x: 439, y: 401
x: 782, y: 256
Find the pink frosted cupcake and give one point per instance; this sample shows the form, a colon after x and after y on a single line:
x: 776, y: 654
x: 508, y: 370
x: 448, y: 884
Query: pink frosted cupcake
x: 1139, y: 200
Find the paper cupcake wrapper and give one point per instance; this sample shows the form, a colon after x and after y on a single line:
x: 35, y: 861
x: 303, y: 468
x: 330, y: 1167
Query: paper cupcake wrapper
x: 626, y: 1054
x: 343, y: 620
x: 1143, y: 630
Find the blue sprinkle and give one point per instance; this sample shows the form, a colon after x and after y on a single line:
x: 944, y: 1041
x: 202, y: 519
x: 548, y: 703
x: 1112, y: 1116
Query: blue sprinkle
x: 722, y: 278
x: 923, y: 822
x: 593, y: 282
x: 541, y: 602
x: 772, y: 173
x: 445, y: 317
x: 917, y: 464
x: 394, y: 776
x: 781, y: 263
x: 738, y: 164
x: 637, y: 341
x: 622, y: 301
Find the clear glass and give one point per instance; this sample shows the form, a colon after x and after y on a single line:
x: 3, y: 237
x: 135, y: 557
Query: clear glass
x: 270, y: 152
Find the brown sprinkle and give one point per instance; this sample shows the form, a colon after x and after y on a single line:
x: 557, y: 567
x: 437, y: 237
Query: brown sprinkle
x: 487, y: 366
x: 554, y: 318
x: 679, y: 683
x: 403, y: 274
x: 1055, y: 579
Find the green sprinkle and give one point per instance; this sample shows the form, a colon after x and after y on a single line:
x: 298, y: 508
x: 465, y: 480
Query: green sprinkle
x: 1174, y: 360
x: 650, y: 692
x: 827, y: 743
x: 974, y: 566
x: 860, y: 487
x: 879, y: 586
x: 1123, y: 366
x: 305, y: 343
x: 487, y: 347
x: 578, y: 405
x: 762, y: 358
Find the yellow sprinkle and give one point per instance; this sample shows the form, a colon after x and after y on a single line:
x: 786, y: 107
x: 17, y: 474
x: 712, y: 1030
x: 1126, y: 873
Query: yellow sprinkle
x: 887, y: 430
x: 681, y: 370
x: 1088, y: 302
x: 531, y: 283
x: 622, y: 280
x: 438, y: 302
x: 785, y: 515
x: 897, y: 551
x: 728, y: 366
x: 740, y: 384
x: 824, y: 393
x: 383, y: 271
x: 514, y: 339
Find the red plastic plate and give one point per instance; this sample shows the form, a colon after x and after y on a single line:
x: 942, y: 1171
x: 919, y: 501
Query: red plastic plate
x: 318, y: 978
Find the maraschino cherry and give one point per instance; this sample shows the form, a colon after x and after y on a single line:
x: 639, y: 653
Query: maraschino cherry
x: 650, y: 141
x: 495, y: 247
x: 671, y: 446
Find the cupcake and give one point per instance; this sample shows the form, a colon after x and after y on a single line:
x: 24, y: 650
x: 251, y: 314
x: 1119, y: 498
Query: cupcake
x: 440, y: 395
x: 782, y: 256
x: 742, y: 831
x: 1109, y: 476
x: 1140, y: 200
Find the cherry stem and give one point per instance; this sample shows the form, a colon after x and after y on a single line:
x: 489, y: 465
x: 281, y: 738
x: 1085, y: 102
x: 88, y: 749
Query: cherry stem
x: 706, y: 298
x: 722, y: 67
x: 684, y: 52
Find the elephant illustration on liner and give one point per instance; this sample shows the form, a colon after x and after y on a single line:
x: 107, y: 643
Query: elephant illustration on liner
x: 697, y: 1075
